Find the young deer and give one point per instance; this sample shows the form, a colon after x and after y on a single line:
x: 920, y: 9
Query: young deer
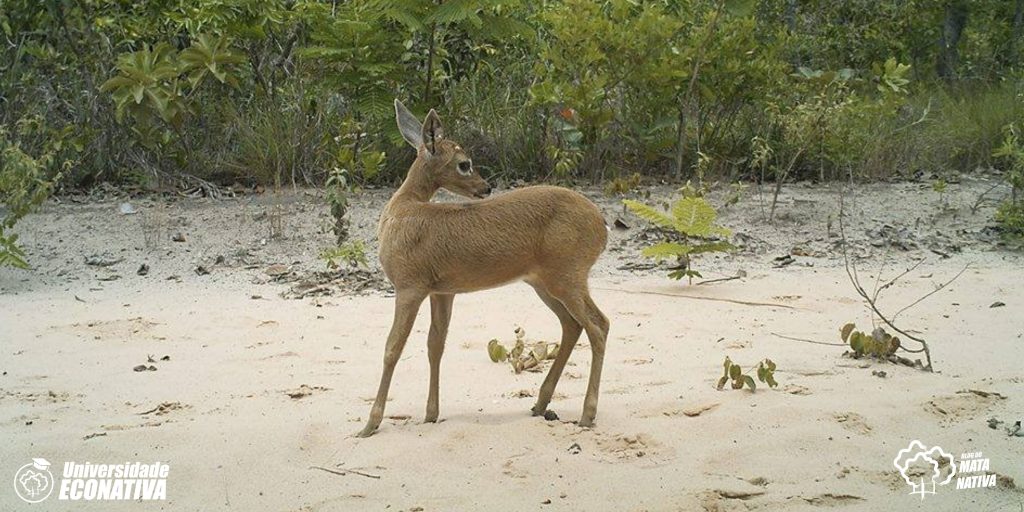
x: 548, y: 237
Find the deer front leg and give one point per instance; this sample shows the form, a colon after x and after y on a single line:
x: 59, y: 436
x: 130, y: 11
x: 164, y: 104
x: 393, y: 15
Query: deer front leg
x: 407, y: 304
x: 440, y: 316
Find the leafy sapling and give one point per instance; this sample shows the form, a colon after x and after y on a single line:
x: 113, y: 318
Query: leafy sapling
x: 733, y: 372
x: 689, y: 228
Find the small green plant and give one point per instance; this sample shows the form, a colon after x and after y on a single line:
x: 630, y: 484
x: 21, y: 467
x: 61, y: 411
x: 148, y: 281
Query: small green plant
x: 940, y: 186
x: 352, y: 253
x: 522, y: 356
x: 736, y: 192
x: 733, y: 372
x: 22, y: 189
x: 620, y: 185
x: 1011, y: 213
x: 879, y: 344
x: 689, y: 229
x: 337, y: 199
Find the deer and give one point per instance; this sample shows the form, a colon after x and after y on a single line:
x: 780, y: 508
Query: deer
x: 546, y: 236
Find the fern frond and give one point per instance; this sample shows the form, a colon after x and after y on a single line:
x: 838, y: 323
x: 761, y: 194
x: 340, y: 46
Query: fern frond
x: 455, y: 11
x: 666, y: 250
x: 375, y: 103
x: 694, y: 216
x: 650, y: 214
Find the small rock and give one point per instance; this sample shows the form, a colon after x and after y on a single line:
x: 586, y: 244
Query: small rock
x: 575, y: 448
x: 140, y: 368
x: 201, y: 270
x: 550, y: 415
x: 178, y: 237
x: 997, y: 304
x: 277, y: 270
x: 879, y: 373
x: 102, y: 260
x: 782, y: 261
x: 143, y: 270
x: 546, y: 502
x: 127, y: 209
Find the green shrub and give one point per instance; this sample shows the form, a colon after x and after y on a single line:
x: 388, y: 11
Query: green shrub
x: 1011, y: 212
x: 689, y: 229
x: 22, y: 188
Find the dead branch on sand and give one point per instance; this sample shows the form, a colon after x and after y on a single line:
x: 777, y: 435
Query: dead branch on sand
x: 872, y: 299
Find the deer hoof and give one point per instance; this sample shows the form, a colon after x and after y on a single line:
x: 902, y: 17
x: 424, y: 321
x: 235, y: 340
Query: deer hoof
x: 366, y: 432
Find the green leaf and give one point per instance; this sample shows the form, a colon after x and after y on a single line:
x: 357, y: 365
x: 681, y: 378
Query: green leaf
x: 740, y: 8
x: 750, y: 382
x: 649, y: 213
x: 721, y: 383
x: 857, y: 342
x: 845, y: 331
x: 666, y: 250
x: 497, y: 351
x: 694, y: 216
x: 735, y: 372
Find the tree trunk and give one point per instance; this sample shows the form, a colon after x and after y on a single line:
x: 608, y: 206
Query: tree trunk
x: 680, y: 142
x: 1015, y: 35
x: 953, y: 27
x: 430, y: 64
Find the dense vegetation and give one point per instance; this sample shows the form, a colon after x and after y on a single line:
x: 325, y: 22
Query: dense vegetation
x: 282, y: 91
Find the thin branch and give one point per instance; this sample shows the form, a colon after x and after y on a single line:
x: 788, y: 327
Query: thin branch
x: 720, y: 280
x: 804, y: 340
x: 343, y: 472
x: 933, y: 292
x: 851, y: 271
x: 714, y: 299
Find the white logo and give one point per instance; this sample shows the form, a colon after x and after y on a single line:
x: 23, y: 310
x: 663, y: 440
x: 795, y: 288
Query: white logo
x: 33, y: 482
x: 934, y: 459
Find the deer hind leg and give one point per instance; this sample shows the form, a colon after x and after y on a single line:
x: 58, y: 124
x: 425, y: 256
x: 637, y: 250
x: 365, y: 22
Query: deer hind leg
x: 407, y: 304
x: 571, y: 330
x: 576, y: 299
x: 440, y: 316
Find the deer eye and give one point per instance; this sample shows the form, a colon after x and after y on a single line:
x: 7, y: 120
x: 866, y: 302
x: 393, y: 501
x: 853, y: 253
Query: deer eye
x: 465, y: 166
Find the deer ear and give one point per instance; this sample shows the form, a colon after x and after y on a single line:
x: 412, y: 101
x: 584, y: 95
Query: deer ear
x: 412, y: 130
x: 432, y: 131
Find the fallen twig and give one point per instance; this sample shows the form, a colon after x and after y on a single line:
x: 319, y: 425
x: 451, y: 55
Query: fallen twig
x: 714, y: 299
x: 804, y: 340
x: 343, y: 472
x: 720, y: 280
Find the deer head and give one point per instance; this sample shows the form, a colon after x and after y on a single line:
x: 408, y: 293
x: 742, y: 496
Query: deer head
x: 440, y: 163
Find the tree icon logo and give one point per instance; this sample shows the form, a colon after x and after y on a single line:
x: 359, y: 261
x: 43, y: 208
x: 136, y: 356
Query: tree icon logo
x: 926, y: 466
x: 33, y: 482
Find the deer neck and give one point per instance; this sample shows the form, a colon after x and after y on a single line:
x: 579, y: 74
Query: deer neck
x: 418, y: 187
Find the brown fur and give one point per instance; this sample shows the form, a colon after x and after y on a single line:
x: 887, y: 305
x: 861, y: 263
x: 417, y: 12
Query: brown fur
x: 549, y: 237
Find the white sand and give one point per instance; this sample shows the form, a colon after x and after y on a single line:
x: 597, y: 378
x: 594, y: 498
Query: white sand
x: 825, y: 438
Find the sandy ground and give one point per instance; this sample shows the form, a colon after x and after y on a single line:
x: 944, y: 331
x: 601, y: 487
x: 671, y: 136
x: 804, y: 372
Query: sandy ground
x: 665, y: 439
